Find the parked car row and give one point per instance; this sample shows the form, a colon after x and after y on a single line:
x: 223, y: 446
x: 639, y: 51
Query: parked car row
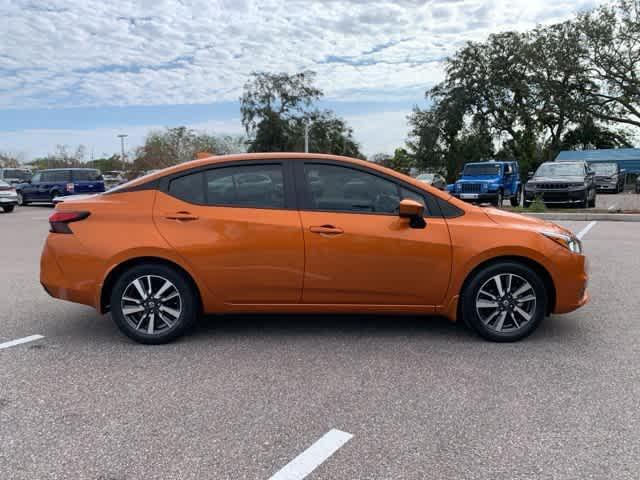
x: 554, y: 183
x: 8, y: 197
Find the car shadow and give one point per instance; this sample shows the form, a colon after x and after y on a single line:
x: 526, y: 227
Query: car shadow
x: 323, y: 326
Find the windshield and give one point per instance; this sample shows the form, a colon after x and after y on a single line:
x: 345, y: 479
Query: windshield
x: 560, y: 170
x: 481, y: 169
x: 425, y: 176
x: 604, y: 168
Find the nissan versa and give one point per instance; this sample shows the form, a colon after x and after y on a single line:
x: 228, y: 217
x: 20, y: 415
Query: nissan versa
x: 304, y: 233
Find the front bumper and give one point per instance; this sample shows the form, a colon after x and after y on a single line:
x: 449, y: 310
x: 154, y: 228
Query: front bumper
x: 556, y: 196
x: 7, y: 201
x: 476, y: 197
x: 571, y: 277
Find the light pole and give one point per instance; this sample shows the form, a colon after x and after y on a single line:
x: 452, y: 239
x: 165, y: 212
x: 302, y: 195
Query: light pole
x: 306, y: 137
x: 122, y: 136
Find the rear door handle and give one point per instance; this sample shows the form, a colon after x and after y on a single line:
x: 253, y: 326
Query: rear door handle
x: 326, y: 230
x: 181, y: 216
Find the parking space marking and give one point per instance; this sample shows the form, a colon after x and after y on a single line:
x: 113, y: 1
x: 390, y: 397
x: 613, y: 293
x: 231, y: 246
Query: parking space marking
x: 312, y: 457
x: 585, y: 230
x: 20, y: 341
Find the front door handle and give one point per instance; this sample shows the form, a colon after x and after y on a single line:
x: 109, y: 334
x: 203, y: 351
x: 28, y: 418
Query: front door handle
x: 181, y: 216
x: 326, y: 230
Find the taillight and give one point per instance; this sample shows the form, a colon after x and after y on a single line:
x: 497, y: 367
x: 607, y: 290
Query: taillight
x: 70, y: 187
x: 59, y: 221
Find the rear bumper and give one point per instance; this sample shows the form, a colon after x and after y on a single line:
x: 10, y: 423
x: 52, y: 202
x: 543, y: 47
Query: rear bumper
x: 67, y: 280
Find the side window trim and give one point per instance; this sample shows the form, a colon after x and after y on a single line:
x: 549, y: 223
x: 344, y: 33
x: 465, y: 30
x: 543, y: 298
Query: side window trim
x: 304, y: 202
x: 287, y: 179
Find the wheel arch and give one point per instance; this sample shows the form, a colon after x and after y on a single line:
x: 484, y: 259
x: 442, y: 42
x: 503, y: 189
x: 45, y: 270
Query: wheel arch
x: 537, y: 267
x: 119, y: 269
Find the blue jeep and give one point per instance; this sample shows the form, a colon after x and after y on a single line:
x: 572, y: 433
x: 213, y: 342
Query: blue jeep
x: 45, y: 185
x: 490, y: 181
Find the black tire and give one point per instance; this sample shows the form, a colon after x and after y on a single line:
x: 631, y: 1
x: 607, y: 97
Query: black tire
x: 517, y: 198
x: 8, y: 208
x: 592, y: 202
x: 584, y: 203
x: 21, y: 200
x: 483, y: 277
x: 499, y: 199
x: 526, y: 203
x: 53, y: 195
x: 188, y: 298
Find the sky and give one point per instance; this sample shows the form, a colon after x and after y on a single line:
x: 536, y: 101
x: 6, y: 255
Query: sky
x: 82, y: 72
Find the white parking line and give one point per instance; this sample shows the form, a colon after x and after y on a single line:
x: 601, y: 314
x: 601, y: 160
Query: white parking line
x: 312, y: 457
x: 20, y: 341
x: 585, y: 230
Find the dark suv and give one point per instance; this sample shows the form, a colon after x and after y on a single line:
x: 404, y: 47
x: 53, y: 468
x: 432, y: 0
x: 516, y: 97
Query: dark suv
x: 562, y: 183
x: 45, y: 185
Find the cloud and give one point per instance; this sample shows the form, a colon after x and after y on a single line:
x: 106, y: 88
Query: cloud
x: 150, y: 52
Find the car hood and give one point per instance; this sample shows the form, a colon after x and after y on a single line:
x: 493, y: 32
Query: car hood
x: 557, y: 180
x: 503, y: 217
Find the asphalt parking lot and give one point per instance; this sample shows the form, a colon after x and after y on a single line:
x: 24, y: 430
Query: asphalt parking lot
x: 241, y: 397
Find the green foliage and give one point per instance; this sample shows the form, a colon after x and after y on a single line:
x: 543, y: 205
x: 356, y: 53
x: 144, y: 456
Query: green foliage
x: 537, y: 206
x: 61, y: 158
x: 275, y: 108
x: 526, y: 96
x: 181, y: 144
x: 106, y: 164
x: 401, y: 161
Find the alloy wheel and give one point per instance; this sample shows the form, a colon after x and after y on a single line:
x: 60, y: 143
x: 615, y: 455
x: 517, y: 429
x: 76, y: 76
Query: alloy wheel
x: 20, y: 199
x: 151, y: 304
x: 506, y: 303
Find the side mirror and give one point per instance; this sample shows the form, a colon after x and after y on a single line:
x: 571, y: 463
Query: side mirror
x: 414, y: 211
x: 529, y: 175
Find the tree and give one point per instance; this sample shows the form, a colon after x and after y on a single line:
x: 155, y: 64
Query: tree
x: 61, y: 158
x: 588, y: 135
x: 8, y: 160
x: 106, y: 164
x: 611, y: 35
x: 180, y: 144
x: 277, y: 107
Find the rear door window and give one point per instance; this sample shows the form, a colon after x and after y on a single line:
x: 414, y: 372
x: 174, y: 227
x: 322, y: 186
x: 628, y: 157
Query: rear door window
x: 188, y: 187
x: 259, y: 186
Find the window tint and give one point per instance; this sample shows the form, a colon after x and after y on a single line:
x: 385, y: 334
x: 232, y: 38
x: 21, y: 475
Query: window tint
x: 86, y: 175
x: 333, y: 187
x: 188, y: 188
x: 251, y: 185
x: 56, y: 176
x: 404, y: 193
x: 36, y: 178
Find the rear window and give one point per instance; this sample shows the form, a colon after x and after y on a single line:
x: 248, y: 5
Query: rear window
x: 86, y: 175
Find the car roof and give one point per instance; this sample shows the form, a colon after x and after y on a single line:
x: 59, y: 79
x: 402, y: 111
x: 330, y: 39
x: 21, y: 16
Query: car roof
x: 66, y: 169
x: 248, y: 157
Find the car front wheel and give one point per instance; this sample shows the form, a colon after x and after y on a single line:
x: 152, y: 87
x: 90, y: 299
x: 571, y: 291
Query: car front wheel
x: 153, y: 304
x: 21, y: 200
x: 504, y: 302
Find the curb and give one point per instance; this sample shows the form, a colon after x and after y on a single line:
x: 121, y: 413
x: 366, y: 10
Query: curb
x: 587, y: 217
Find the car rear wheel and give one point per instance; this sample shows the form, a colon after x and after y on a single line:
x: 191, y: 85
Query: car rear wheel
x: 504, y: 302
x: 153, y: 304
x: 8, y: 208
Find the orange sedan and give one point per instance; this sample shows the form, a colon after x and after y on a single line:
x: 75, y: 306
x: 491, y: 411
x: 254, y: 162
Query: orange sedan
x: 292, y: 232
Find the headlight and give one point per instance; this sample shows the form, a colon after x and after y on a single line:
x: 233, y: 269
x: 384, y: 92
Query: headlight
x: 568, y: 241
x: 458, y: 187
